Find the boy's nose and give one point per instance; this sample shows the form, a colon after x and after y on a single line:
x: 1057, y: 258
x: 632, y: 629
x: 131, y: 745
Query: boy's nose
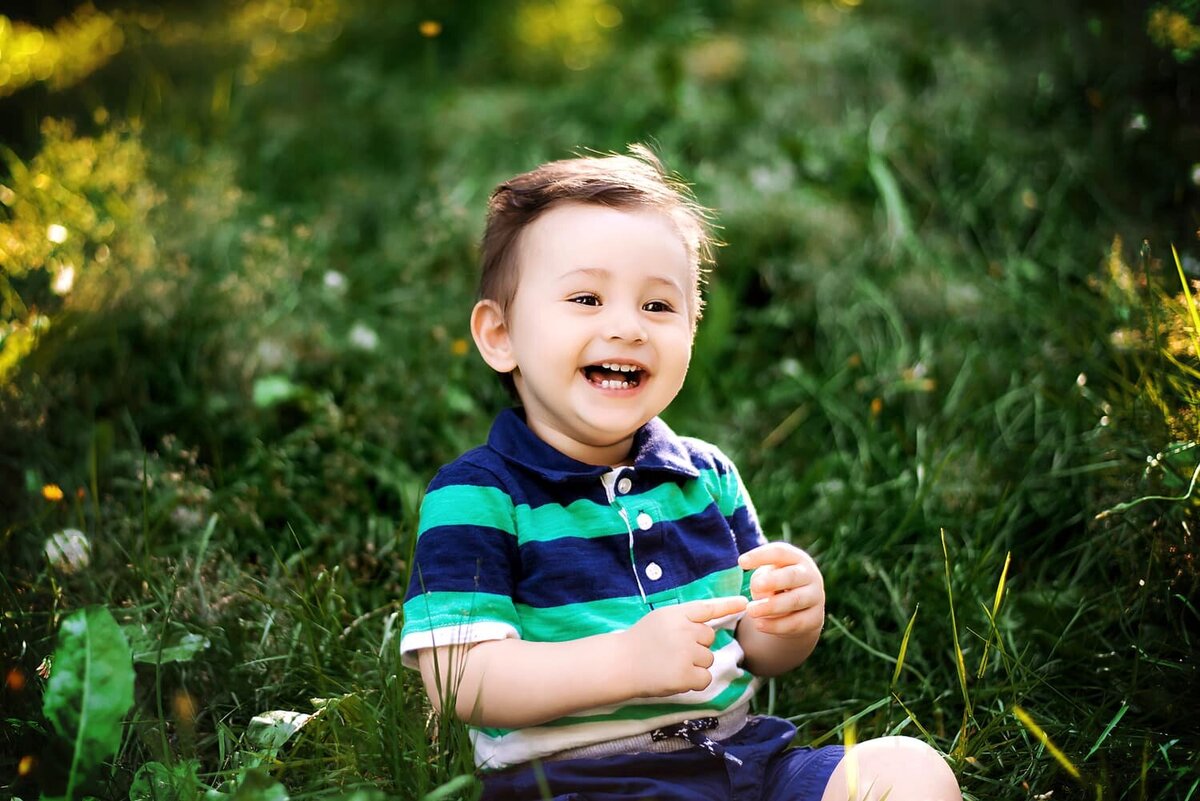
x: 625, y: 325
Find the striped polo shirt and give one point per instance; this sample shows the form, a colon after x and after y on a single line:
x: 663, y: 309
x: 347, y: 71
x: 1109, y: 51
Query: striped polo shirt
x: 519, y: 540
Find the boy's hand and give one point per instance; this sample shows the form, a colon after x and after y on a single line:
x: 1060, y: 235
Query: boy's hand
x: 668, y: 648
x: 787, y: 588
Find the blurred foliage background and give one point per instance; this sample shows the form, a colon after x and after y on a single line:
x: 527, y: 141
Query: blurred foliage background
x: 948, y: 342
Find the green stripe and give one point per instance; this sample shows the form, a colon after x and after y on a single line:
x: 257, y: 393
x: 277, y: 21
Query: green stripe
x: 572, y: 621
x: 465, y: 505
x: 435, y: 610
x: 585, y: 518
x: 728, y: 491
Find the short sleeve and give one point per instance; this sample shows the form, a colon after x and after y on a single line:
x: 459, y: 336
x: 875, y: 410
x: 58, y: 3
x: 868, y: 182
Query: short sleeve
x: 462, y: 574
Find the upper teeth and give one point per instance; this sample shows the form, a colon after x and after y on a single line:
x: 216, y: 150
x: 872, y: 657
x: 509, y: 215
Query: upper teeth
x: 624, y: 368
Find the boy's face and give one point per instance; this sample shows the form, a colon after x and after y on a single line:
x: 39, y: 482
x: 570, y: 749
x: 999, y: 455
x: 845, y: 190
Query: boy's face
x: 599, y: 333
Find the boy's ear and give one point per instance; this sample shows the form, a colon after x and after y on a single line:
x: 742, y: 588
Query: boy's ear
x: 490, y: 332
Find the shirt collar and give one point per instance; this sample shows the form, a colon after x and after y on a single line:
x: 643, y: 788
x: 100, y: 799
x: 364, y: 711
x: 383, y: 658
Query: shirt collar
x: 655, y: 447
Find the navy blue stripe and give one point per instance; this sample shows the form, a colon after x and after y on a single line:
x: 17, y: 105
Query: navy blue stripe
x: 464, y: 559
x: 573, y: 569
x: 746, y: 530
x: 708, y: 548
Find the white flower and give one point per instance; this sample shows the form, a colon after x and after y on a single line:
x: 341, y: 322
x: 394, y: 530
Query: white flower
x: 68, y: 550
x: 363, y: 337
x: 335, y: 282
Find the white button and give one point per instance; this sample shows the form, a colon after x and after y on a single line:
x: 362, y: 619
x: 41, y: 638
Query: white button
x: 653, y: 571
x: 624, y: 486
x: 645, y: 521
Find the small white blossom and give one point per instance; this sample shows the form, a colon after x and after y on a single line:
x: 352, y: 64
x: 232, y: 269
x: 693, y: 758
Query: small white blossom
x: 363, y: 337
x: 335, y: 282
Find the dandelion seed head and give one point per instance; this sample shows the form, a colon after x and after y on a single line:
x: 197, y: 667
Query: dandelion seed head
x: 68, y: 550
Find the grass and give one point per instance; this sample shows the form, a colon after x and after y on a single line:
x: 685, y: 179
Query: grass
x: 928, y: 346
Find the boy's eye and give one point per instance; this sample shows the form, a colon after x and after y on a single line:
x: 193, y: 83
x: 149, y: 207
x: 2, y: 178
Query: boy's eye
x: 658, y: 306
x: 585, y: 299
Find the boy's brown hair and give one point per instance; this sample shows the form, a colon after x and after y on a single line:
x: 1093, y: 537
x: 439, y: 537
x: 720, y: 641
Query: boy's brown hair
x: 636, y: 181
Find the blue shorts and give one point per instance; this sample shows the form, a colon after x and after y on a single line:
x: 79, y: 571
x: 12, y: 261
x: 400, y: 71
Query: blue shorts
x: 768, y: 771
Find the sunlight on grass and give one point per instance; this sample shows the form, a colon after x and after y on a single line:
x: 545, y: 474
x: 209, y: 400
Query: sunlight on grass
x: 76, y: 47
x: 1028, y: 722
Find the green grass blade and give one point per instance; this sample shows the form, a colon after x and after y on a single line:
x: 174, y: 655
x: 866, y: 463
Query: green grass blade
x: 1108, y: 730
x: 913, y: 718
x: 960, y: 662
x: 992, y: 617
x: 904, y: 645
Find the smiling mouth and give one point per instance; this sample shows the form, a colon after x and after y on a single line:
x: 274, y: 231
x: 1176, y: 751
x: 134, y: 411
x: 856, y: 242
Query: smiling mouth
x: 614, y: 375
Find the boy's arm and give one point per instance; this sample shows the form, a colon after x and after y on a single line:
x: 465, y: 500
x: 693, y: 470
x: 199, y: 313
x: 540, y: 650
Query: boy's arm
x: 783, y: 622
x: 517, y: 683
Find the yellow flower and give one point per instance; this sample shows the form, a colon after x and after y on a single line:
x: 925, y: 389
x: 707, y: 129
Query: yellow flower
x: 459, y: 347
x: 430, y: 28
x: 52, y: 492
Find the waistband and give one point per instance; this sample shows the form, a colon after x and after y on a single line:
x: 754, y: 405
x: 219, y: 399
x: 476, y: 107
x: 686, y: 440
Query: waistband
x: 728, y: 724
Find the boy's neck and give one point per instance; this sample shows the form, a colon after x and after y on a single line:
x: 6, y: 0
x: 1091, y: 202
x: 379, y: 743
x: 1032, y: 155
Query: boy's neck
x: 617, y: 454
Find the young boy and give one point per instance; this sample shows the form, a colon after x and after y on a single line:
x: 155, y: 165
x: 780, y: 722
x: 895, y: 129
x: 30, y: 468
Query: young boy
x: 591, y: 592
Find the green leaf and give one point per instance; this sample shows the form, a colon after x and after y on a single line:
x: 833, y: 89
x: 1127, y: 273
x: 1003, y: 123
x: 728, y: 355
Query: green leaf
x: 270, y: 730
x: 179, y: 644
x: 155, y: 781
x: 271, y: 390
x: 256, y: 785
x: 90, y: 689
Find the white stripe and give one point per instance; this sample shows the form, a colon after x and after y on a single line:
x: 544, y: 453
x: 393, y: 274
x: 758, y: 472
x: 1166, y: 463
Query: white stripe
x: 535, y: 742
x: 460, y: 634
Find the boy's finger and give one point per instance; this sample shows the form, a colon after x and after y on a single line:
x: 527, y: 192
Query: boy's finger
x: 769, y: 579
x: 773, y: 553
x: 713, y: 608
x: 760, y: 582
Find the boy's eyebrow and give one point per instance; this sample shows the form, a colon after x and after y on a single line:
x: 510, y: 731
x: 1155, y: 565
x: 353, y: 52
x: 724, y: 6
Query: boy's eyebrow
x: 600, y: 272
